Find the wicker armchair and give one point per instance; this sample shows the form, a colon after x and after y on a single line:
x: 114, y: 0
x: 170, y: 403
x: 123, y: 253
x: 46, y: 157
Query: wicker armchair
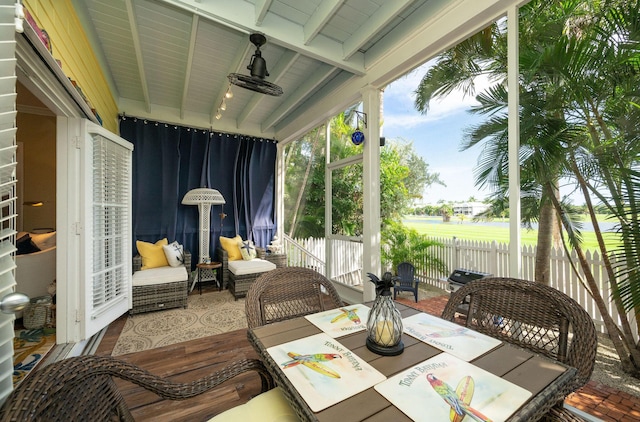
x: 223, y: 257
x: 535, y: 317
x: 82, y: 389
x: 289, y: 292
x: 155, y: 297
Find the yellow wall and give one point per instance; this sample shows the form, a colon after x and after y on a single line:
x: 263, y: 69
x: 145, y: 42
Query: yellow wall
x: 71, y: 46
x: 37, y: 137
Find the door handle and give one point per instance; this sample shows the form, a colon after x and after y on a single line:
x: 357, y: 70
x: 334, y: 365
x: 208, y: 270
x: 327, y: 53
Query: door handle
x: 13, y: 302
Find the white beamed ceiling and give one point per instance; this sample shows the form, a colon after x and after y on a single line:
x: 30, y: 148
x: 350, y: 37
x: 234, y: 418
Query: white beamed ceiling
x: 168, y: 60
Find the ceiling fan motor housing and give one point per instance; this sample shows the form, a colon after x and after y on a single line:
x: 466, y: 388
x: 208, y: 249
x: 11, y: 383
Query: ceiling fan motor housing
x: 258, y: 65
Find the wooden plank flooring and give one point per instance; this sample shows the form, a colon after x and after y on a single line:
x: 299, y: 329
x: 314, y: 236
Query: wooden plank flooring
x: 184, y: 362
x: 190, y: 360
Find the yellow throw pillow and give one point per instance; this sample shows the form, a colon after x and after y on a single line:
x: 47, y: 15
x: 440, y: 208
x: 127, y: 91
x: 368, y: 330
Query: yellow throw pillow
x: 231, y: 246
x: 152, y: 254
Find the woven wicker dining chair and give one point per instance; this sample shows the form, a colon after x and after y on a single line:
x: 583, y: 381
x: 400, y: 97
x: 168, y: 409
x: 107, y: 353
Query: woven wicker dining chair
x: 82, y: 389
x: 532, y: 316
x: 289, y: 292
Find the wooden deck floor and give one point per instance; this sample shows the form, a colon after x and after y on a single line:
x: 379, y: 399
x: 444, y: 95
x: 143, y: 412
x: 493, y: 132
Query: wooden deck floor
x: 190, y: 360
x: 186, y: 362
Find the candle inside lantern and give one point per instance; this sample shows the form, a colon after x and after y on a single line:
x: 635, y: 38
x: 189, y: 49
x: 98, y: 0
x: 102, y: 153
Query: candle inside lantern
x: 384, y: 333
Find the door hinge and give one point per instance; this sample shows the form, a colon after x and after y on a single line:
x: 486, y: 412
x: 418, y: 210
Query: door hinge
x: 77, y: 228
x: 78, y: 319
x: 77, y: 142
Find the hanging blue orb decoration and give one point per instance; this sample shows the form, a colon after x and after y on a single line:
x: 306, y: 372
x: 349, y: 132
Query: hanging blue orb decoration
x: 357, y: 137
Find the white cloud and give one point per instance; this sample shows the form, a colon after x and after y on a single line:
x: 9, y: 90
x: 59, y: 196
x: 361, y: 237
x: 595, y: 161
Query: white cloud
x: 399, y: 97
x: 406, y: 120
x: 436, y: 134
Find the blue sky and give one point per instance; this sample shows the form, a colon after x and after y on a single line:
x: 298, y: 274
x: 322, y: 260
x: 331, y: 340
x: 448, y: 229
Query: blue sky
x: 436, y: 136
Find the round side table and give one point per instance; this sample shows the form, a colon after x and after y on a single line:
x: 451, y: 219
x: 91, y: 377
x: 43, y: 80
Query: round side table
x: 214, y: 266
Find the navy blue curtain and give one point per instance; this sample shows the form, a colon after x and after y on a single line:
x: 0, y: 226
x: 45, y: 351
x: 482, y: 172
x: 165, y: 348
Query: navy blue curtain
x: 170, y: 160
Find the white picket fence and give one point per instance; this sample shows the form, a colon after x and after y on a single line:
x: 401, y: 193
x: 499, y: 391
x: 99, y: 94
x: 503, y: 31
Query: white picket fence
x: 486, y: 257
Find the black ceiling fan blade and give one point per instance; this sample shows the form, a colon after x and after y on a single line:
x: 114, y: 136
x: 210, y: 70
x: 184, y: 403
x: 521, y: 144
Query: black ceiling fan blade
x: 255, y: 82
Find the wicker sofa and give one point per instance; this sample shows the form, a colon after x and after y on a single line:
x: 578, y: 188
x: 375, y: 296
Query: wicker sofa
x: 239, y: 283
x: 167, y: 291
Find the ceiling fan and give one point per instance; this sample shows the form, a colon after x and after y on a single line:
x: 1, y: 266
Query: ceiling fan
x: 258, y: 67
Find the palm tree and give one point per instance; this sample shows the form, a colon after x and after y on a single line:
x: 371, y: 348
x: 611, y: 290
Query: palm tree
x: 485, y: 54
x: 402, y: 244
x: 446, y: 211
x: 576, y: 121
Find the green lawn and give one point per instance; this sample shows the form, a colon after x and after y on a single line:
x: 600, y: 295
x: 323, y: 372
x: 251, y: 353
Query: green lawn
x: 469, y: 230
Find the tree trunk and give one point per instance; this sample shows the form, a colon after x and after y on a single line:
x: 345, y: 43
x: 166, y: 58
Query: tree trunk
x: 545, y: 240
x: 625, y: 355
x: 303, y: 186
x: 626, y: 326
x: 625, y: 212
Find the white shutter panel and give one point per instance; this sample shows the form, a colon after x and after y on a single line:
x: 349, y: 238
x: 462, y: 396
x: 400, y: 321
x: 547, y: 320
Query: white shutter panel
x: 7, y: 187
x: 108, y: 223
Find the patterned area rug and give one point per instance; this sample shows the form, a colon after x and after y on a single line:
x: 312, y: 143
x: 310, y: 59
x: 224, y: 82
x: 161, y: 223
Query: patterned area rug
x: 206, y: 315
x: 29, y: 348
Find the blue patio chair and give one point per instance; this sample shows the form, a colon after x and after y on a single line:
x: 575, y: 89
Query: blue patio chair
x: 406, y: 280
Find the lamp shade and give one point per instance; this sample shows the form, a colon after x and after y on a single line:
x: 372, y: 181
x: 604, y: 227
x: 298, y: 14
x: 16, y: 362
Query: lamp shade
x: 203, y: 196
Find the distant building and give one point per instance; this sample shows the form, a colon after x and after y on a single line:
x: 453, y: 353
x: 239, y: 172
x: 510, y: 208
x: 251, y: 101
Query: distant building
x: 470, y: 209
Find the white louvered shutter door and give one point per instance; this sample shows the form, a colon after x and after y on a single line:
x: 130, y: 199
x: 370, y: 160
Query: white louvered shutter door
x: 7, y: 187
x: 107, y: 238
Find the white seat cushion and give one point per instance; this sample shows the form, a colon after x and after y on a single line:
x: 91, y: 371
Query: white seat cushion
x: 159, y: 275
x: 251, y: 267
x: 270, y: 406
x: 45, y: 240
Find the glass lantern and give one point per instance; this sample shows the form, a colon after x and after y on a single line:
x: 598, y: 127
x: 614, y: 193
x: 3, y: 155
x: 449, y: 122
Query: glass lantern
x: 384, y: 324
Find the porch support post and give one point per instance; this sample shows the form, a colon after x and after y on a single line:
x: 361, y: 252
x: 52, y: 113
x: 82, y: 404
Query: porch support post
x: 371, y: 183
x: 280, y: 192
x: 515, y: 254
x: 328, y: 202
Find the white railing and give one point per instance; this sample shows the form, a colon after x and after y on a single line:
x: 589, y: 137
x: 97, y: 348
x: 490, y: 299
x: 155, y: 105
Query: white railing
x: 486, y: 257
x: 307, y: 253
x: 346, y: 266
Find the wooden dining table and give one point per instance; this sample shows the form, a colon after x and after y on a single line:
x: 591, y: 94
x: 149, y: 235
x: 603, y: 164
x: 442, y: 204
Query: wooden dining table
x: 544, y: 378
